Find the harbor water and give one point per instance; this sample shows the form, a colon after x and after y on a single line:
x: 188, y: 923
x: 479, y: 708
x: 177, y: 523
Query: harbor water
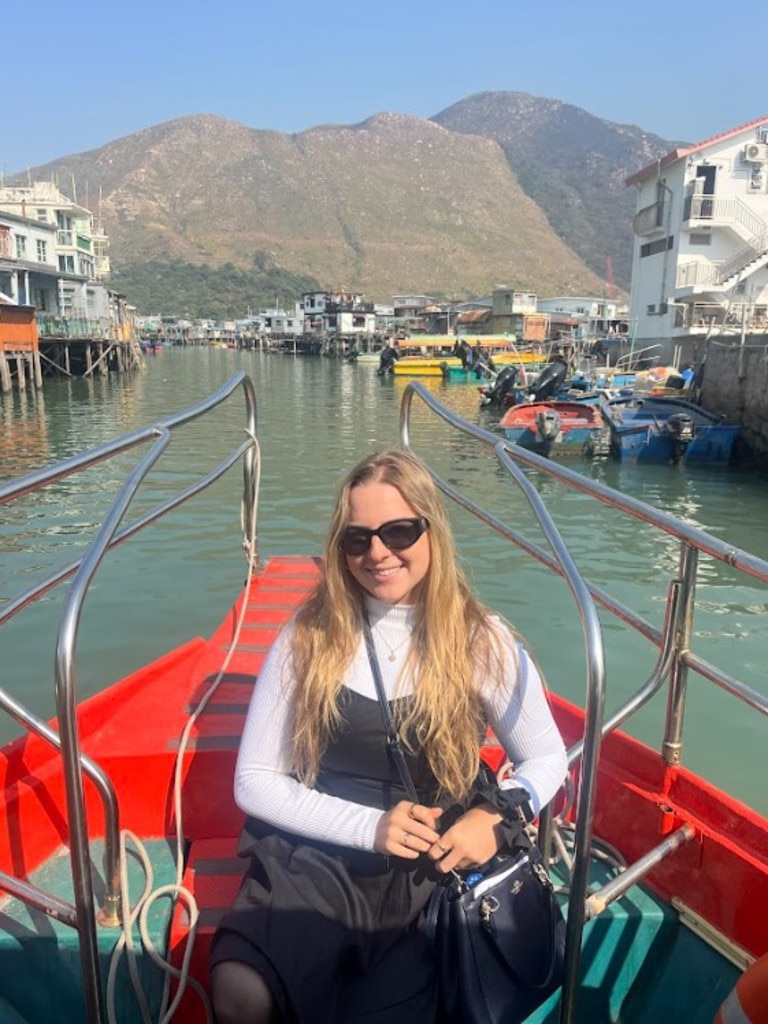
x: 316, y: 417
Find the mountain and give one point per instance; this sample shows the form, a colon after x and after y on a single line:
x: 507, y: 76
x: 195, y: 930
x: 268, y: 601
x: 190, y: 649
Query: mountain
x: 501, y: 188
x: 571, y: 164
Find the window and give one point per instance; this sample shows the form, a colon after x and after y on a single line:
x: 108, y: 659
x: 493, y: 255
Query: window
x: 700, y: 238
x: 21, y: 247
x: 660, y: 245
x: 67, y: 264
x: 42, y: 216
x: 67, y: 301
x: 40, y: 299
x: 42, y: 250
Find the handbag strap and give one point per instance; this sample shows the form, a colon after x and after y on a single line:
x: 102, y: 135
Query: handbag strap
x: 393, y: 740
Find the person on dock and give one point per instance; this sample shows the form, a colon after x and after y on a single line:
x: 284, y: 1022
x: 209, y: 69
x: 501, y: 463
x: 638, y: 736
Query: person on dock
x: 342, y: 862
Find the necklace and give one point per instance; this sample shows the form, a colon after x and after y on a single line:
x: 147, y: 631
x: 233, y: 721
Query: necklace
x: 392, y: 656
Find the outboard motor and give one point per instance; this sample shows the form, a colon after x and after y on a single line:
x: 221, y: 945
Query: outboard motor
x: 679, y: 427
x: 548, y: 382
x: 548, y: 425
x: 504, y: 383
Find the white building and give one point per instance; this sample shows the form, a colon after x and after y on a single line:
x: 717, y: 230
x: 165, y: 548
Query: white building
x: 336, y: 312
x: 590, y: 317
x: 701, y: 244
x: 53, y: 257
x: 28, y: 266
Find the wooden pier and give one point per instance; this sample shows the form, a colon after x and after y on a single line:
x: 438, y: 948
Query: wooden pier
x: 19, y: 348
x: 84, y: 357
x: 27, y: 355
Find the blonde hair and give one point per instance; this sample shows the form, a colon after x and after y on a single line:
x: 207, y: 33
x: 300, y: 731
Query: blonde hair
x: 454, y: 644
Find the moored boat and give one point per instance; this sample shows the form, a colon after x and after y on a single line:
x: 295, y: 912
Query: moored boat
x: 666, y: 877
x: 552, y: 426
x: 663, y: 429
x: 461, y: 359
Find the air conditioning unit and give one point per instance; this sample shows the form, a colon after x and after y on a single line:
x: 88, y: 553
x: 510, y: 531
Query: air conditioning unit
x: 756, y: 152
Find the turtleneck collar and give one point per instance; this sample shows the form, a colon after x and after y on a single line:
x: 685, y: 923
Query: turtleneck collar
x: 393, y: 614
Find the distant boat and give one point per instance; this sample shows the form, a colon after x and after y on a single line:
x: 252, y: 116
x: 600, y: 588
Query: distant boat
x: 547, y: 426
x: 438, y: 356
x: 662, y: 429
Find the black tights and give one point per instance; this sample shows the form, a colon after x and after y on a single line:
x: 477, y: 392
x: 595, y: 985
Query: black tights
x: 241, y: 996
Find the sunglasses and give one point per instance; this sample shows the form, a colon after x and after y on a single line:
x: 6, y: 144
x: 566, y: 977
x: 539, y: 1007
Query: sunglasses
x: 397, y: 535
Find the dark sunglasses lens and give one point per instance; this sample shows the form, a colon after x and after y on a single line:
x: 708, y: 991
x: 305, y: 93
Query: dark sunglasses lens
x: 399, y: 536
x: 355, y: 542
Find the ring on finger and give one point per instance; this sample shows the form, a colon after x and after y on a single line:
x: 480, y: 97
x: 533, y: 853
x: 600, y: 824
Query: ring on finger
x: 445, y: 849
x: 406, y: 837
x: 410, y: 811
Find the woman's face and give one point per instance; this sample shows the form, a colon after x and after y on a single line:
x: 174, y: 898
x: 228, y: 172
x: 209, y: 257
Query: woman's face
x: 387, y: 575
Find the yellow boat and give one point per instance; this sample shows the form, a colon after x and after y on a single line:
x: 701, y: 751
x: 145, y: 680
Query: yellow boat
x: 432, y: 355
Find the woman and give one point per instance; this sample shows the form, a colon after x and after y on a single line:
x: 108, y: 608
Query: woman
x: 342, y: 863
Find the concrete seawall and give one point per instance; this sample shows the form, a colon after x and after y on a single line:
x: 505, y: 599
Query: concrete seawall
x: 735, y: 386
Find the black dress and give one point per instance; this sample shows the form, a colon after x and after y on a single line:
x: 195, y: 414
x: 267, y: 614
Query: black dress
x: 310, y: 915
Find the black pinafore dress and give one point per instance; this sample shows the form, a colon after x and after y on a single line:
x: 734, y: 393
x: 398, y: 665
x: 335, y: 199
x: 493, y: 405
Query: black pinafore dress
x: 312, y: 915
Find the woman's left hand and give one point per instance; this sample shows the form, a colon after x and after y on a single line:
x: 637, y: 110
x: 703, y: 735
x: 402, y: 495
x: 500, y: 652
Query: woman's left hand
x: 472, y: 840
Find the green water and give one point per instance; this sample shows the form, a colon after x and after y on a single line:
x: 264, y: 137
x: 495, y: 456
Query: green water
x: 316, y: 416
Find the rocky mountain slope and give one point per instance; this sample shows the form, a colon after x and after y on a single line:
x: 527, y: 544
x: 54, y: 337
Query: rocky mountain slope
x: 571, y: 164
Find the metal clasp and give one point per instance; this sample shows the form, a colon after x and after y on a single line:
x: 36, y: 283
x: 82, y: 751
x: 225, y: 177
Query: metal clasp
x: 488, y: 905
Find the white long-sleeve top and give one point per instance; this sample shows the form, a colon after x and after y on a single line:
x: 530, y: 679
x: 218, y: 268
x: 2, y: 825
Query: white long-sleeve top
x: 517, y: 711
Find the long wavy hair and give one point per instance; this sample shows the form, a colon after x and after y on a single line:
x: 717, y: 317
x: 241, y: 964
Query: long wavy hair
x: 454, y: 645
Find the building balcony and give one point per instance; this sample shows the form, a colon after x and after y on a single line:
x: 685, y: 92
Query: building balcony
x: 52, y: 326
x: 721, y: 211
x: 697, y: 276
x: 73, y: 240
x: 650, y: 219
x: 721, y: 318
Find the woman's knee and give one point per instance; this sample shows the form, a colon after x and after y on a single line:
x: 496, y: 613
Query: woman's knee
x: 240, y: 995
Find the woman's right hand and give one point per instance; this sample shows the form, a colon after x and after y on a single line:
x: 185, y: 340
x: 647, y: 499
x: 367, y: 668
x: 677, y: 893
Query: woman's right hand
x: 407, y: 830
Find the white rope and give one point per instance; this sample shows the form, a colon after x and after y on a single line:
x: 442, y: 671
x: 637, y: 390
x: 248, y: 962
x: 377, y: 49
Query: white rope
x: 176, y: 890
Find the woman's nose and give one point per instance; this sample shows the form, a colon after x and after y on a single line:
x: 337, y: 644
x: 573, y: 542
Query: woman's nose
x: 378, y: 549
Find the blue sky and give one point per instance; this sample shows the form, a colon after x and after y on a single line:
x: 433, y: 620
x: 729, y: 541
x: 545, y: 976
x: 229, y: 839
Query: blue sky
x: 97, y: 71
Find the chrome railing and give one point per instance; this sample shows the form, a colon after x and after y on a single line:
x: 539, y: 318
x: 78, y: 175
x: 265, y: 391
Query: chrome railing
x: 695, y: 272
x: 82, y: 915
x: 675, y: 658
x: 755, y: 249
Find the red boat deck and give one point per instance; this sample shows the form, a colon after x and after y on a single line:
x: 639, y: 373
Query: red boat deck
x: 134, y: 728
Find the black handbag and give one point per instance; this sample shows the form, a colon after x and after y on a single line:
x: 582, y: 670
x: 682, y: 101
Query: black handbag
x: 499, y: 943
x: 497, y: 932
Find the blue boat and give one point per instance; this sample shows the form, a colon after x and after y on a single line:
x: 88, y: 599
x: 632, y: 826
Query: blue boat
x: 661, y: 429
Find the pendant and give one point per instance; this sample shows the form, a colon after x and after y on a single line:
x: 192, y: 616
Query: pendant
x: 392, y: 656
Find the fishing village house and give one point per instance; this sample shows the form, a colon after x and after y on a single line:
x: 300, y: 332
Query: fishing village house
x: 700, y: 268
x: 54, y: 259
x: 337, y: 312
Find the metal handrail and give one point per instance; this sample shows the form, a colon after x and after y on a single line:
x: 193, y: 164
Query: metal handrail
x: 674, y: 661
x: 595, y: 695
x: 75, y: 764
